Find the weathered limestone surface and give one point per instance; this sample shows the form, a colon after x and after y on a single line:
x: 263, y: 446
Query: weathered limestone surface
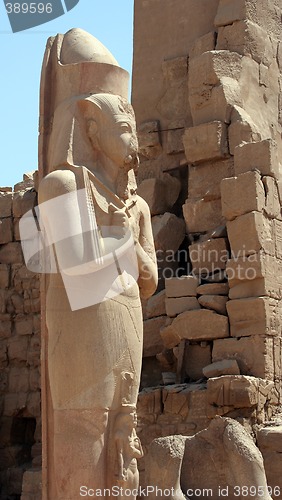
x: 201, y: 215
x: 149, y: 139
x: 32, y: 485
x: 250, y: 233
x: 205, y: 178
x: 213, y: 289
x: 177, y: 17
x: 202, y: 44
x: 208, y: 256
x: 200, y: 324
x: 257, y: 155
x: 213, y: 86
x: 269, y: 441
x: 163, y: 465
x: 185, y: 286
x: 206, y: 142
x: 272, y: 202
x: 253, y: 354
x: 236, y: 461
x: 186, y: 459
x: 160, y: 194
x: 248, y: 39
x: 224, y: 367
x: 153, y: 343
x: 242, y: 128
x: 258, y: 12
x: 6, y: 201
x: 216, y: 303
x: 252, y: 316
x: 231, y: 131
x: 154, y: 306
x: 242, y: 194
x: 168, y: 231
x: 258, y: 272
x: 177, y: 305
x: 239, y: 391
x: 20, y: 433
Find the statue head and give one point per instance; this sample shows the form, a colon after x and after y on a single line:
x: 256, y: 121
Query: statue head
x: 126, y: 419
x: 111, y: 129
x: 77, y: 68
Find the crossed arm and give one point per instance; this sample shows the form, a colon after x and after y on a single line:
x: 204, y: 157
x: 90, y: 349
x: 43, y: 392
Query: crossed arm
x: 67, y: 218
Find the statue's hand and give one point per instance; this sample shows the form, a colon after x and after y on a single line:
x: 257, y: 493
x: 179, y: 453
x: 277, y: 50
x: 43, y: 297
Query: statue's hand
x: 118, y: 220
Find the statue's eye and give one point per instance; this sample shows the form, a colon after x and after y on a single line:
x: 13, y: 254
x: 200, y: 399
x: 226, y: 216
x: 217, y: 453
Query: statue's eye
x: 125, y: 127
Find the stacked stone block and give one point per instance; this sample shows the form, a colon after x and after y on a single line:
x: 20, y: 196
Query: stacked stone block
x: 232, y: 212
x: 227, y: 333
x: 20, y: 431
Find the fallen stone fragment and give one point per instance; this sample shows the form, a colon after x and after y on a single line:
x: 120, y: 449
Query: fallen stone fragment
x: 224, y: 367
x: 163, y: 466
x: 254, y: 354
x: 215, y: 302
x: 270, y: 444
x: 200, y: 324
x: 235, y: 460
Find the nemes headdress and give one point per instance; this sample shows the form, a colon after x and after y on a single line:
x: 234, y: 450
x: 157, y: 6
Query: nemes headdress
x: 75, y: 66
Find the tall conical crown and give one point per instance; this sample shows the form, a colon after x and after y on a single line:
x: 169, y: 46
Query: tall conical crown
x: 75, y: 64
x: 85, y: 66
x: 79, y: 46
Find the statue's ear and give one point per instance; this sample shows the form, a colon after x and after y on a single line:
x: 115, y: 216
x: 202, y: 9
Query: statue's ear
x: 88, y: 113
x: 93, y: 133
x: 92, y: 127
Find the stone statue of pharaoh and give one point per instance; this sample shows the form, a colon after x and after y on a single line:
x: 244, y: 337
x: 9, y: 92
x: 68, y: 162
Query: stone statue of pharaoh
x: 101, y: 236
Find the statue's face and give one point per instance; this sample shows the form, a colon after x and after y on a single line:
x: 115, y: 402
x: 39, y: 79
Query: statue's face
x: 118, y: 140
x: 117, y: 137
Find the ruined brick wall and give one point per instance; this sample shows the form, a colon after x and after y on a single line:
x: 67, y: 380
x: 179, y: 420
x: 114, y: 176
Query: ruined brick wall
x: 20, y: 428
x: 214, y: 113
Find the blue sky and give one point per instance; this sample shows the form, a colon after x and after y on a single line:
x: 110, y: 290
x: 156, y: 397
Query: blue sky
x: 21, y: 57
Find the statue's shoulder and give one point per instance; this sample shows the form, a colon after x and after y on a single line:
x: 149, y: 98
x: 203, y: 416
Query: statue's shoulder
x: 56, y: 184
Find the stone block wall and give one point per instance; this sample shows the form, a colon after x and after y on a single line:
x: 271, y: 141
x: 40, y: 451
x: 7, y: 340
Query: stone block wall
x: 215, y: 102
x: 20, y: 417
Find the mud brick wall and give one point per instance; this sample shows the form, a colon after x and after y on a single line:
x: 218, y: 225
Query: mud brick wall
x: 207, y: 97
x: 20, y: 419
